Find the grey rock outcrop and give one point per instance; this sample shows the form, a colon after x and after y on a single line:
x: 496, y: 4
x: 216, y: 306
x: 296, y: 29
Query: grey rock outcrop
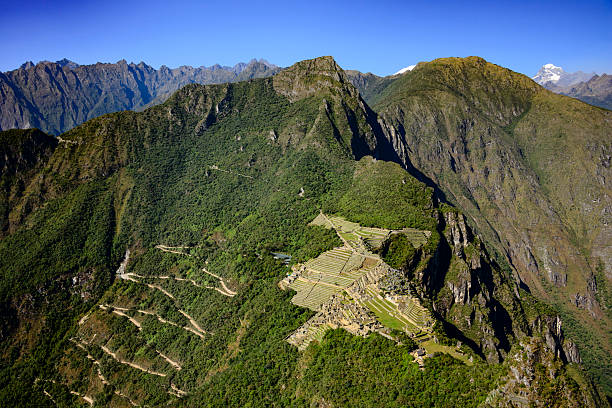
x: 57, y: 96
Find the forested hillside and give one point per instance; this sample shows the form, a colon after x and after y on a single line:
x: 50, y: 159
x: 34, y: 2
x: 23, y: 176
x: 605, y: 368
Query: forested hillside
x: 141, y: 265
x: 532, y: 171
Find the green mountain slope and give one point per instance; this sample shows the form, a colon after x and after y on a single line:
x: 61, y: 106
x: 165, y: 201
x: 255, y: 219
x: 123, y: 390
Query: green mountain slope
x: 22, y: 155
x: 57, y: 96
x: 530, y: 168
x: 142, y: 272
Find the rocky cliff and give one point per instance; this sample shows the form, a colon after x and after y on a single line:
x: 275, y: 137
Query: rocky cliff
x: 528, y: 167
x: 596, y: 91
x: 57, y: 96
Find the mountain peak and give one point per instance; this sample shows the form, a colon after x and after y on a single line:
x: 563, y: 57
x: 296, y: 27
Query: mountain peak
x: 551, y: 75
x: 405, y: 69
x: 308, y: 77
x: 26, y: 65
x: 65, y: 62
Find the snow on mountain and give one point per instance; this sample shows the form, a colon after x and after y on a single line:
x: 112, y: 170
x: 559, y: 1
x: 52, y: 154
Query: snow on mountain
x: 408, y: 68
x: 552, y: 75
x: 548, y: 73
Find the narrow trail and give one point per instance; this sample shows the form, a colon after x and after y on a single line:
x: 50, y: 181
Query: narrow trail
x: 173, y: 363
x: 132, y: 403
x: 59, y: 139
x: 211, y: 274
x: 200, y: 334
x: 131, y: 364
x: 177, y: 392
x: 164, y: 291
x: 119, y: 312
x: 225, y: 291
x: 215, y: 167
x: 230, y: 292
x: 91, y: 358
x: 88, y: 399
x: 173, y: 249
x: 50, y: 397
x: 192, y: 321
x: 128, y: 276
x: 164, y: 277
x: 84, y: 319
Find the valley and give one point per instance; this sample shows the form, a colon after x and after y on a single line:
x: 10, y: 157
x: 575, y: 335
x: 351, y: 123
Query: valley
x: 140, y: 263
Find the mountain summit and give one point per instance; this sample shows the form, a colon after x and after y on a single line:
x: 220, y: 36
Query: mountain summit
x: 405, y: 69
x: 551, y: 74
x: 139, y: 256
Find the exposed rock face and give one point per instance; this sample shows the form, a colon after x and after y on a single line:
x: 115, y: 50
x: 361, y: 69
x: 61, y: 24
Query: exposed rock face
x: 533, y: 368
x: 323, y: 76
x: 529, y: 169
x: 595, y: 91
x: 477, y: 298
x: 550, y: 330
x: 57, y: 96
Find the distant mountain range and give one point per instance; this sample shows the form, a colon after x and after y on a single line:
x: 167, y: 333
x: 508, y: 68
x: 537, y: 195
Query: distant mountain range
x: 57, y: 96
x: 448, y: 229
x: 590, y: 88
x: 551, y: 74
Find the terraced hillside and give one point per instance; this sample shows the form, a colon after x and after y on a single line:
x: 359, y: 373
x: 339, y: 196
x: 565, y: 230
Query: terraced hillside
x: 138, y: 270
x: 346, y: 286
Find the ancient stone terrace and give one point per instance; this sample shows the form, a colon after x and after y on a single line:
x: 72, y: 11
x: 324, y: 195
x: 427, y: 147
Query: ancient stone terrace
x: 344, y: 286
x: 317, y: 280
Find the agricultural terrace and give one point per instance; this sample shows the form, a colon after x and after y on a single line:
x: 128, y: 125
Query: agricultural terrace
x: 407, y: 315
x: 327, y: 274
x: 317, y: 280
x: 353, y: 234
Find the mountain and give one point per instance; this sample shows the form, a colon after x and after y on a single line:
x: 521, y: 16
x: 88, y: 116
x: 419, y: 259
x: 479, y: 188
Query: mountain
x: 57, y: 96
x: 596, y: 91
x: 22, y: 157
x: 406, y: 69
x: 551, y: 75
x: 530, y: 169
x: 141, y: 267
x: 590, y: 88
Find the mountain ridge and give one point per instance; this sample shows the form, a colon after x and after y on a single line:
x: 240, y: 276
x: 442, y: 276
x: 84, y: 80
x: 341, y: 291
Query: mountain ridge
x: 58, y: 96
x: 484, y: 135
x: 551, y: 75
x: 198, y: 192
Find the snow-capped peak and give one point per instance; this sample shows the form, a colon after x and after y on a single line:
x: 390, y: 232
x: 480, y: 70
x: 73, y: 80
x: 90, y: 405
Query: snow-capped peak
x: 408, y: 68
x: 549, y: 73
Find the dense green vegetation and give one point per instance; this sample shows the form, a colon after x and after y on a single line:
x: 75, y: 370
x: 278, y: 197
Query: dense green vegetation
x: 399, y: 253
x: 68, y: 240
x: 352, y: 371
x: 226, y: 174
x: 527, y: 167
x: 385, y: 196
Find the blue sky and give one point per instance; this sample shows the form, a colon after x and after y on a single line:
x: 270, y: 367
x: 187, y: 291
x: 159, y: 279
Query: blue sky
x: 377, y: 36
